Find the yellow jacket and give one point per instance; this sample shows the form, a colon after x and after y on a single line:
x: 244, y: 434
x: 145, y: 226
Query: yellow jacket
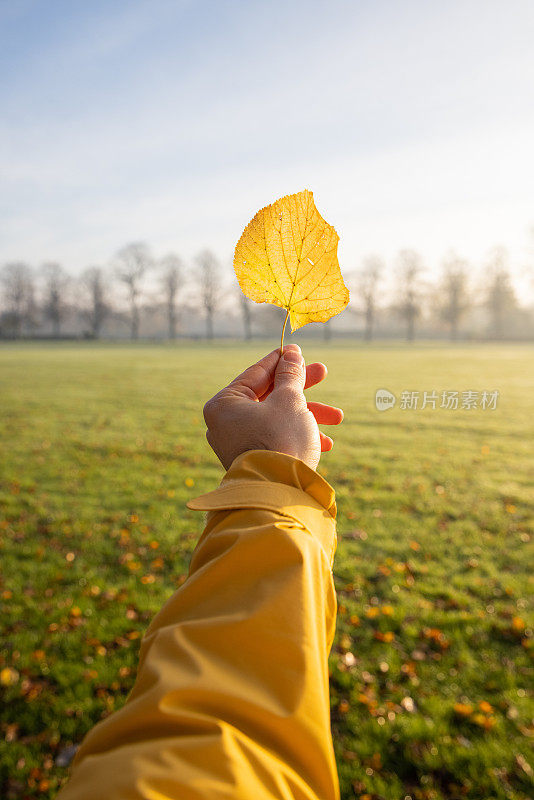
x: 231, y: 698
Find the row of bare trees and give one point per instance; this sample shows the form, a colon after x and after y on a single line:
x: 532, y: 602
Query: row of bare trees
x: 450, y: 301
x: 48, y: 295
x: 31, y: 299
x: 132, y: 263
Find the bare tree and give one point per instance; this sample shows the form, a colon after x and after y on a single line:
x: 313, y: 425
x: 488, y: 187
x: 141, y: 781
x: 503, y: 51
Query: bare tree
x: 55, y: 307
x: 208, y: 276
x: 410, y: 267
x: 18, y: 292
x: 501, y: 300
x: 367, y: 280
x: 31, y: 310
x: 132, y: 263
x: 97, y: 308
x: 171, y: 279
x: 453, y: 300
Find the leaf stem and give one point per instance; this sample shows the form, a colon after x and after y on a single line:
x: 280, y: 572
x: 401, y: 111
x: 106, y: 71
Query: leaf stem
x: 283, y: 331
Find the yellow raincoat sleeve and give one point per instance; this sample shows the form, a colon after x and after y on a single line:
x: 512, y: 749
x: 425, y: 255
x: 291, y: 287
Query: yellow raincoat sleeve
x: 231, y: 698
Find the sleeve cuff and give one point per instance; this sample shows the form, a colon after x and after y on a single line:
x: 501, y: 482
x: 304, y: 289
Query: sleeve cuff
x: 281, y: 483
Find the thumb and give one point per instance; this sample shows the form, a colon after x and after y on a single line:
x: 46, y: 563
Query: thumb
x: 290, y: 371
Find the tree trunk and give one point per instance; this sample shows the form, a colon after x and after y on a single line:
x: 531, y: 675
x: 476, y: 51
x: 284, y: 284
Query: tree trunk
x: 209, y: 325
x: 369, y: 320
x: 410, y: 334
x: 497, y: 323
x: 172, y: 322
x: 135, y: 322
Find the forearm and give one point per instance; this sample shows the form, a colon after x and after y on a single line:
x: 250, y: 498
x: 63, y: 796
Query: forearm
x: 231, y: 698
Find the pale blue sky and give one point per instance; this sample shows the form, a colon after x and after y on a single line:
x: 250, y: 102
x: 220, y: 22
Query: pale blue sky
x: 173, y: 122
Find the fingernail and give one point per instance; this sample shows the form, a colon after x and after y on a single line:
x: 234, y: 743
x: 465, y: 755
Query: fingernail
x: 294, y: 356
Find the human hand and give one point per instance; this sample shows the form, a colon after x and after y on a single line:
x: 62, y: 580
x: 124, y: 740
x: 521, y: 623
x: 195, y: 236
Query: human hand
x: 264, y: 408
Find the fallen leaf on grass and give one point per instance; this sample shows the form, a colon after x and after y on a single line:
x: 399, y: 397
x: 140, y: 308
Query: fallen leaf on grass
x: 463, y: 709
x: 8, y: 676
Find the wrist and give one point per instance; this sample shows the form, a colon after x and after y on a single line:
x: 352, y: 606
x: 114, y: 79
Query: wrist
x: 266, y: 479
x: 273, y: 466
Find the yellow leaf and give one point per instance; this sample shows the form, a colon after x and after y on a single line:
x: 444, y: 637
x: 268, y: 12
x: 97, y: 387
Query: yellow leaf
x: 8, y: 675
x: 287, y: 255
x: 39, y: 655
x: 463, y: 709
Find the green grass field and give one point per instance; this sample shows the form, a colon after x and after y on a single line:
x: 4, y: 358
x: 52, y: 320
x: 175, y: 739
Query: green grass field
x: 431, y: 670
